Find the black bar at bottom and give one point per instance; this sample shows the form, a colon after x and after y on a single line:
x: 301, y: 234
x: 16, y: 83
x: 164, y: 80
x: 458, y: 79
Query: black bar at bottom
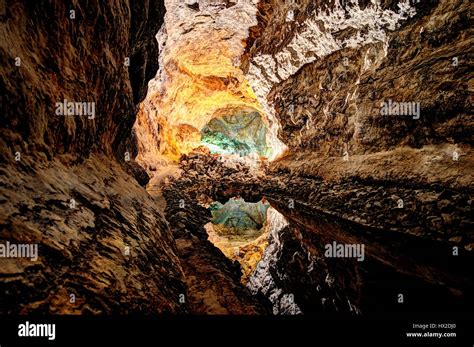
x: 243, y: 330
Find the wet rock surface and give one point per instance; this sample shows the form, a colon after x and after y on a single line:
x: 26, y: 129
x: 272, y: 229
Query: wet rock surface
x: 213, y: 281
x: 296, y: 276
x: 433, y: 211
x: 318, y: 73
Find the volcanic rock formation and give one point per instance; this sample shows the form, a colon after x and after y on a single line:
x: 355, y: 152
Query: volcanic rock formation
x: 101, y: 237
x: 345, y: 122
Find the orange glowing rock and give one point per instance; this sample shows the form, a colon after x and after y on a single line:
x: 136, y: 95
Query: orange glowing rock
x: 198, y: 87
x: 199, y: 77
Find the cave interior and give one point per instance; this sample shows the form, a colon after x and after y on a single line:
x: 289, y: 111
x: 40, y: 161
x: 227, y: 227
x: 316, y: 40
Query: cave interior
x: 240, y: 143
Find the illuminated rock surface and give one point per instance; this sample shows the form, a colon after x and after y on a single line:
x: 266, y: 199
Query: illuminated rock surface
x: 200, y: 78
x: 236, y: 214
x: 240, y: 133
x: 240, y: 230
x: 253, y: 99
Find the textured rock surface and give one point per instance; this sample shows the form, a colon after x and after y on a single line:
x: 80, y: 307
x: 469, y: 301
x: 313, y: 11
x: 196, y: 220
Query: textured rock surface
x: 241, y: 132
x: 100, y: 238
x: 213, y: 280
x: 100, y: 235
x: 326, y: 74
x: 79, y: 60
x: 200, y: 78
x: 297, y: 277
x: 319, y: 73
x: 325, y: 71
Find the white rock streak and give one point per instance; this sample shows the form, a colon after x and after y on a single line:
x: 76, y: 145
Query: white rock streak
x: 262, y: 279
x: 318, y: 38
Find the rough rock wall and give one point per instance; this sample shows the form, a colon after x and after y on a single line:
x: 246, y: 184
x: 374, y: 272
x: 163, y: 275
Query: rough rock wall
x: 329, y: 71
x: 213, y: 280
x: 100, y: 238
x: 99, y: 235
x: 296, y: 275
x: 79, y: 59
x: 325, y: 69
